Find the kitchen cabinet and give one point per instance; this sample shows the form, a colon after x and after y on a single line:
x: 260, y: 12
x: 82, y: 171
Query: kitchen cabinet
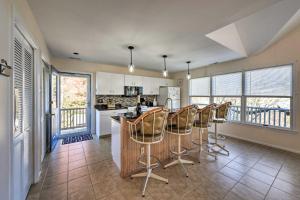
x: 116, y: 142
x: 103, y: 120
x: 167, y: 82
x: 113, y: 84
x: 133, y: 80
x: 151, y: 86
x: 109, y: 83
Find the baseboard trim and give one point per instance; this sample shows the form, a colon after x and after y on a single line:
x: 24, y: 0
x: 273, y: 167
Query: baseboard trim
x: 262, y: 143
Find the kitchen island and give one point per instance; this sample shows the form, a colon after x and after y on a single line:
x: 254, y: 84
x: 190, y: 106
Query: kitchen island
x: 126, y: 152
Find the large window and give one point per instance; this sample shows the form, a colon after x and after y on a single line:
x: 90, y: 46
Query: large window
x: 268, y: 95
x: 262, y: 96
x: 199, y: 91
x: 228, y: 87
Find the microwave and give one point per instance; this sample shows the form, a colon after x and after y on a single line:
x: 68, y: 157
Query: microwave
x: 130, y: 91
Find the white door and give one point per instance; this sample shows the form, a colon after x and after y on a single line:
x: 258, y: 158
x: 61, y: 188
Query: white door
x: 23, y: 115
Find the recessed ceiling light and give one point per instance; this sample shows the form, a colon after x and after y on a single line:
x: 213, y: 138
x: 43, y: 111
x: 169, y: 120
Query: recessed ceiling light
x: 76, y: 53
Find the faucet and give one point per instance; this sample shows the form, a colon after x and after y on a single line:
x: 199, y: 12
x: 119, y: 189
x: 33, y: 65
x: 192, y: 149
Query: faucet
x: 166, y: 103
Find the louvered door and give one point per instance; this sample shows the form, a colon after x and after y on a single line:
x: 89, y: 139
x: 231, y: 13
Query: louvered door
x: 23, y: 116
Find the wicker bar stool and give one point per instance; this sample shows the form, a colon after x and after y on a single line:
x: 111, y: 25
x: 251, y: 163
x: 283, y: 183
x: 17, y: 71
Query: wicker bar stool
x: 221, y: 114
x: 149, y: 129
x: 203, y: 122
x: 180, y: 124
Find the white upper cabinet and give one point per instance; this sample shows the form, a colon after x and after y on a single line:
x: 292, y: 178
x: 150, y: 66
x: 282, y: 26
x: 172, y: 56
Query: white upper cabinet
x: 167, y: 82
x: 113, y: 84
x: 109, y: 83
x: 151, y: 86
x: 133, y: 80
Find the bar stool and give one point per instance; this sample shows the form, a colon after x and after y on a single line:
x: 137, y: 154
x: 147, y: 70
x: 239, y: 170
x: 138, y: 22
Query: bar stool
x: 221, y: 113
x: 180, y: 124
x: 149, y: 129
x: 203, y: 122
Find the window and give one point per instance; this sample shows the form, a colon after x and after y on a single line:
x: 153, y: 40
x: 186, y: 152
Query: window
x: 262, y: 96
x: 228, y: 87
x: 200, y: 91
x: 268, y: 96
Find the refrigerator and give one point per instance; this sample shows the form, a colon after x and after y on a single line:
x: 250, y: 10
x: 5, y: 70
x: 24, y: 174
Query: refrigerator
x: 172, y: 93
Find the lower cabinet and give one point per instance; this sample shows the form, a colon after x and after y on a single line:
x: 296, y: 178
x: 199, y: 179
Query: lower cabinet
x: 103, y: 121
x: 116, y: 142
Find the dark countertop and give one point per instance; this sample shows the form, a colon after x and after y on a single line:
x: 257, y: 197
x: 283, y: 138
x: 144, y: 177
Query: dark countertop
x: 133, y: 117
x: 117, y: 118
x: 104, y: 109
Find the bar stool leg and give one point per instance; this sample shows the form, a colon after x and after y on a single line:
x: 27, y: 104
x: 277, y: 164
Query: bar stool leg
x: 179, y: 160
x: 201, y: 149
x: 149, y: 173
x: 216, y: 144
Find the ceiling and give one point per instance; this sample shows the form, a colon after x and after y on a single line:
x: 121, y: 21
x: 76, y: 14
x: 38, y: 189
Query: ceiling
x: 101, y: 30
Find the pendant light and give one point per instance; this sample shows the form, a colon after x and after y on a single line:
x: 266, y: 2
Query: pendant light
x: 165, y: 72
x: 131, y: 65
x: 188, y: 75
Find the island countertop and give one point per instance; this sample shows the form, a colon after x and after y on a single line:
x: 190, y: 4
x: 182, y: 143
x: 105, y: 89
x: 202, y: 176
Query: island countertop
x: 133, y: 117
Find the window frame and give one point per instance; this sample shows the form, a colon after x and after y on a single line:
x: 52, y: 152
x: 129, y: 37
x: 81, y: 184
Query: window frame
x: 210, y: 88
x: 244, y: 97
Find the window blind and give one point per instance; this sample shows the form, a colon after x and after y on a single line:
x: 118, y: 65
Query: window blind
x: 276, y: 81
x: 200, y: 86
x: 227, y: 85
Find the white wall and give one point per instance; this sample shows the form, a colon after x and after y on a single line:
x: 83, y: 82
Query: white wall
x: 5, y: 23
x: 285, y: 51
x: 14, y: 12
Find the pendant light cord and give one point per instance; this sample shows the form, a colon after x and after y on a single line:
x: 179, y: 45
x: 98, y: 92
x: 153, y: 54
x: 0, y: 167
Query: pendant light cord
x: 130, y: 56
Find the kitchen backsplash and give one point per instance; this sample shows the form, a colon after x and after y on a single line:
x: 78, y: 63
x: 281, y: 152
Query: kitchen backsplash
x: 125, y: 101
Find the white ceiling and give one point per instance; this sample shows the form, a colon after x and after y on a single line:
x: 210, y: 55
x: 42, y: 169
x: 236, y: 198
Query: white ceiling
x: 101, y: 30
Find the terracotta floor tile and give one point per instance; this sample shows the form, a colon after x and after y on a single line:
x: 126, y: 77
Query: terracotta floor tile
x: 287, y: 187
x: 79, y: 184
x: 231, y: 173
x: 276, y: 194
x: 255, y: 184
x: 246, y: 192
x: 85, y: 193
x: 261, y: 176
x: 265, y: 169
x: 77, y: 173
x: 59, y: 192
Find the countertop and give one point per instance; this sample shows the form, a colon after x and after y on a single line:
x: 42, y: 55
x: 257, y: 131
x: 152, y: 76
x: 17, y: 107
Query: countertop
x: 133, y: 117
x: 104, y: 109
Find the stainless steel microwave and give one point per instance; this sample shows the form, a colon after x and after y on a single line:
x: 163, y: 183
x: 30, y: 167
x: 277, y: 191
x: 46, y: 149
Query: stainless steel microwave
x: 130, y: 91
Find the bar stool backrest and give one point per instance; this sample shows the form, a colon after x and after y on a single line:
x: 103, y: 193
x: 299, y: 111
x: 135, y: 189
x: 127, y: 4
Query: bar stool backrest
x: 150, y: 126
x: 205, y: 116
x: 182, y: 121
x: 222, y: 110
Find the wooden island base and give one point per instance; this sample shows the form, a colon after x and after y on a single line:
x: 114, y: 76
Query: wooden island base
x: 130, y: 151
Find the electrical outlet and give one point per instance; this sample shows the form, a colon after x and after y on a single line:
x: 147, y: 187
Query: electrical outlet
x: 142, y: 150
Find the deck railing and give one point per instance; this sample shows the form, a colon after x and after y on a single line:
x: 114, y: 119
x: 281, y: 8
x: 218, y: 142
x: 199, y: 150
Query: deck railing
x: 72, y: 118
x: 278, y: 117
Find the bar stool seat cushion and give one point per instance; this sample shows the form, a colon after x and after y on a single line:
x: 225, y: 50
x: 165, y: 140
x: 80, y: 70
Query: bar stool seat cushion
x: 219, y: 120
x: 147, y: 138
x: 201, y: 124
x: 175, y: 129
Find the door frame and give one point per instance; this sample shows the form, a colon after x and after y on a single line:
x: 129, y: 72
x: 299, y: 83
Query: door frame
x: 89, y: 95
x: 54, y: 71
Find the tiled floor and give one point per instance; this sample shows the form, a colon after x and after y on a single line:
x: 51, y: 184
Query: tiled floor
x: 86, y: 171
